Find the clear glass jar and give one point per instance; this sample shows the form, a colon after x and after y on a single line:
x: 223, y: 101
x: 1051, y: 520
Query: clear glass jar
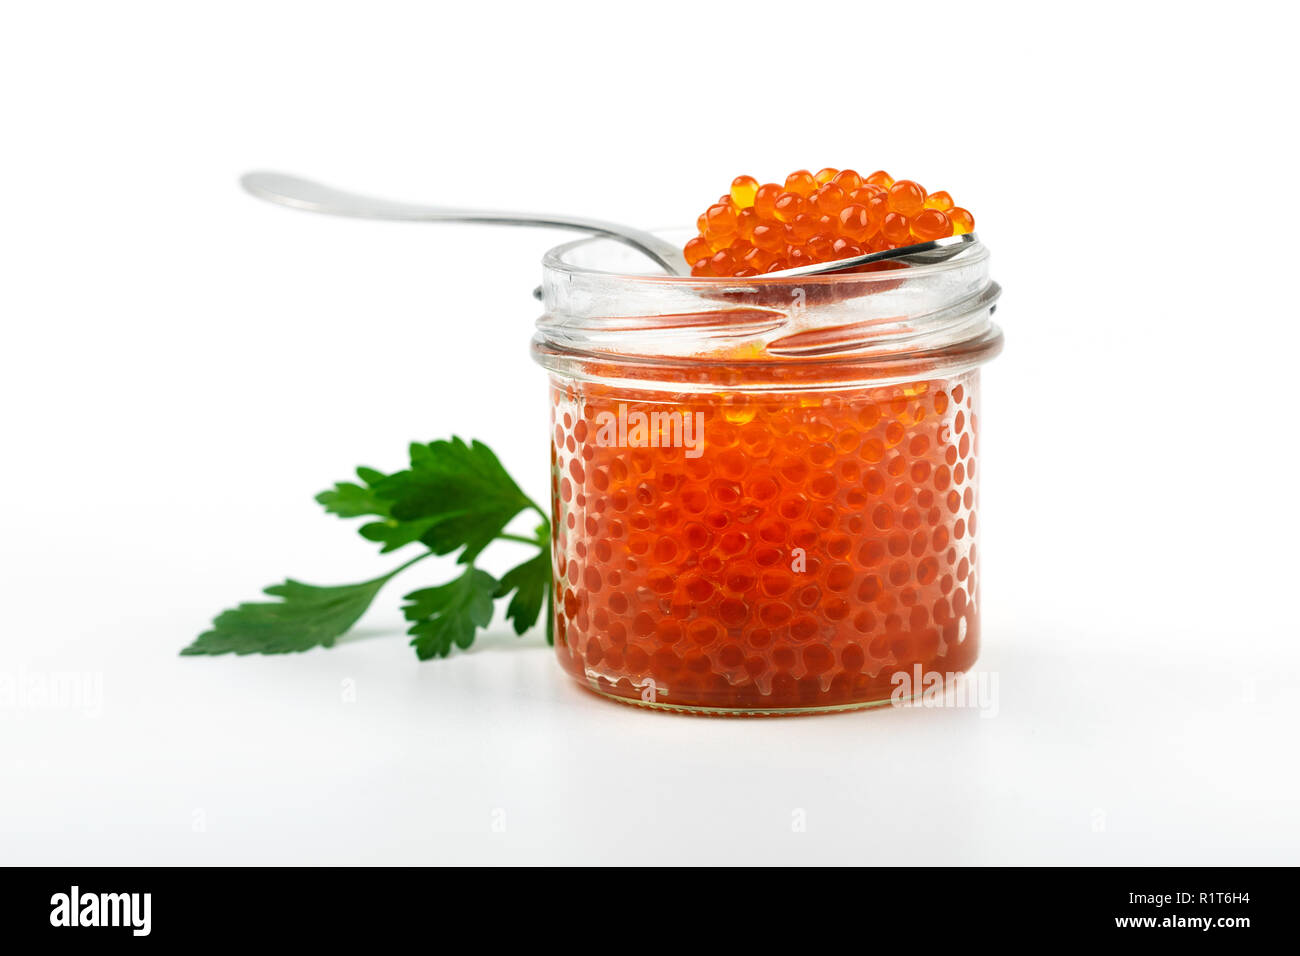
x: 764, y: 491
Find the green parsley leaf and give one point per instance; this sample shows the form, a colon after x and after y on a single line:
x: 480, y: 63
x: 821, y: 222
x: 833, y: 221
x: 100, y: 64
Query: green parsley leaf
x: 449, y: 615
x: 349, y: 500
x: 461, y: 490
x: 307, y: 617
x: 530, y: 583
x: 394, y: 534
x: 453, y: 497
x: 550, y: 616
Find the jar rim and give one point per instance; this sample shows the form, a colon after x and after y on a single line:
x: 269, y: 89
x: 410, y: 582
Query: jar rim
x: 698, y: 331
x: 554, y: 261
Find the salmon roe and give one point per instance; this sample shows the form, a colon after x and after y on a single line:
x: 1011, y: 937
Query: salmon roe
x: 813, y: 545
x: 834, y: 214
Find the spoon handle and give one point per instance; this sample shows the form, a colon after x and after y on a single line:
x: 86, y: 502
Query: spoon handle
x: 300, y: 193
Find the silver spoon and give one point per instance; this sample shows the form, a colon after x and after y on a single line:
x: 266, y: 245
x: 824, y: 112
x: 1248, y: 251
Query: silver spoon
x: 304, y: 194
x: 299, y: 193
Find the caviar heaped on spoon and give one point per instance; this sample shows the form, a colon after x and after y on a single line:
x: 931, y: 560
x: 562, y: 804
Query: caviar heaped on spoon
x: 835, y: 214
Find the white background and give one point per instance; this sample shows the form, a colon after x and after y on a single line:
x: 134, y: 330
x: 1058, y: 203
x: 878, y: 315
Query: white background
x: 183, y: 368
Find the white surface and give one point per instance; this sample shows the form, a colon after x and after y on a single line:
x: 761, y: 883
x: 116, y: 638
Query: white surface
x: 183, y: 368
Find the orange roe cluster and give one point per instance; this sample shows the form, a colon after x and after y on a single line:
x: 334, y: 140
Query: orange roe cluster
x: 834, y: 214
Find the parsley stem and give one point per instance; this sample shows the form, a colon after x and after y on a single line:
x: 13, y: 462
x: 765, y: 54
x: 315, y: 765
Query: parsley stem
x: 402, y: 567
x: 520, y: 538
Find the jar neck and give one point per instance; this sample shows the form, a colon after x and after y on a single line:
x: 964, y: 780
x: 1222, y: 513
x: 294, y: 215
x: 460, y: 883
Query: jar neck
x: 898, y: 322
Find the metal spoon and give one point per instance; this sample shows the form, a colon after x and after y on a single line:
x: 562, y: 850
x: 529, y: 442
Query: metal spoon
x: 299, y: 193
x: 304, y: 194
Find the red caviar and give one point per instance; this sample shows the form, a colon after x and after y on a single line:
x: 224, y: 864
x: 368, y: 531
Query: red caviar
x: 813, y: 545
x: 810, y: 218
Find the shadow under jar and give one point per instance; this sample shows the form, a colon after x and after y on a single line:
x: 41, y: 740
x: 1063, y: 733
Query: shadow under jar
x: 763, y: 491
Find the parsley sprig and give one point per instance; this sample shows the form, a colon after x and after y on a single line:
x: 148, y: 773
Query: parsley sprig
x: 453, y: 497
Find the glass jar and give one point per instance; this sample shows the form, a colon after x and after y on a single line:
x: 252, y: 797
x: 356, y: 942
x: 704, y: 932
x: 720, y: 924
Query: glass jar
x: 763, y: 490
